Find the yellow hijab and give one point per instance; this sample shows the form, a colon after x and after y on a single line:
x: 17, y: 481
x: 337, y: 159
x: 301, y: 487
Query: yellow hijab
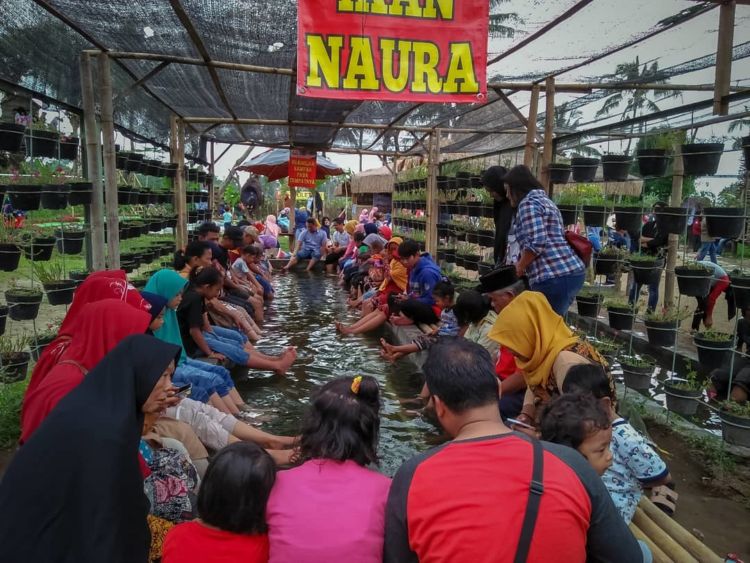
x: 349, y: 227
x: 397, y: 272
x: 529, y: 327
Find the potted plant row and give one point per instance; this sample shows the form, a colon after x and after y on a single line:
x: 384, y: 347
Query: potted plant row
x: 621, y: 314
x: 662, y: 325
x: 637, y: 371
x: 57, y: 286
x: 23, y: 303
x: 14, y: 360
x: 735, y: 423
x: 713, y: 347
x: 589, y: 302
x: 683, y: 394
x: 693, y: 279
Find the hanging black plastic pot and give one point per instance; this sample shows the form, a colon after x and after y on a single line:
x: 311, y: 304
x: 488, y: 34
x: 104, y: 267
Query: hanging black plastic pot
x: 79, y: 276
x: 14, y: 366
x: 607, y: 264
x: 39, y: 249
x: 629, y: 218
x: 735, y: 429
x: 637, y: 377
x: 126, y: 195
x: 69, y: 242
x: 471, y: 237
x: 559, y: 173
x: 694, y: 282
x: 23, y: 304
x: 121, y: 159
x: 26, y: 198
x: 450, y: 255
x: 741, y: 289
x: 442, y: 183
x: 443, y: 230
x: 80, y: 193
x: 672, y: 220
x: 42, y: 143
x: 487, y: 212
x: 615, y: 167
x: 620, y: 318
x: 584, y: 169
x: 713, y: 352
x: 11, y: 137
x: 3, y: 318
x: 589, y: 305
x: 55, y: 196
x: 69, y: 148
x: 646, y: 271
x: 746, y: 151
x: 60, y: 292
x: 151, y: 167
x: 701, y: 159
x: 464, y: 179
x: 594, y: 215
x: 568, y: 212
x: 471, y: 262
x: 661, y: 333
x: 679, y: 400
x: 724, y: 222
x: 10, y: 255
x: 128, y: 266
x: 652, y: 162
x: 134, y: 163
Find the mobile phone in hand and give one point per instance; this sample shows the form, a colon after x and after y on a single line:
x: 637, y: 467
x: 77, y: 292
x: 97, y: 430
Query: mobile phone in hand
x: 184, y: 391
x: 514, y: 422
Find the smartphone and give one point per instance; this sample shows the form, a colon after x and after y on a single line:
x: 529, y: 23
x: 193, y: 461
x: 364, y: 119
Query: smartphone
x: 184, y: 391
x: 514, y: 422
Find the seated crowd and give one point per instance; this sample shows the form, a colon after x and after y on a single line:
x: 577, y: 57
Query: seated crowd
x: 119, y: 463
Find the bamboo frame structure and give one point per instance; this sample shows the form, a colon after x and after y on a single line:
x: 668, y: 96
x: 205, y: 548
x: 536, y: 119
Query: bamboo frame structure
x: 110, y: 164
x: 93, y: 164
x: 724, y: 56
x: 177, y: 141
x: 528, y: 153
x: 549, y: 128
x: 433, y: 165
x: 678, y: 170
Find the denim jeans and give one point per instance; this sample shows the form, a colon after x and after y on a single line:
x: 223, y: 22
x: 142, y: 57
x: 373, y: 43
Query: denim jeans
x: 561, y: 291
x: 229, y: 343
x: 707, y: 248
x: 205, y: 378
x: 653, y: 294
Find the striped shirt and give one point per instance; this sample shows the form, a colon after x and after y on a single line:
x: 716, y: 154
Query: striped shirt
x: 538, y: 228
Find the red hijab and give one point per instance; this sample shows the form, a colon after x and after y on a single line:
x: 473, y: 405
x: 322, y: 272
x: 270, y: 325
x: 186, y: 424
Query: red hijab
x: 100, y: 327
x: 105, y: 284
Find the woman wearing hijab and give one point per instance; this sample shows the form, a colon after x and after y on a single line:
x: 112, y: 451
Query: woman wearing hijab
x: 74, y: 492
x: 544, y: 347
x: 105, y: 284
x: 169, y: 285
x: 99, y: 328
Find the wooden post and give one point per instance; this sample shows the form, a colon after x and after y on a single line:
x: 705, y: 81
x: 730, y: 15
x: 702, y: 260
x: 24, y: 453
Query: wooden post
x: 211, y: 188
x: 549, y: 131
x: 110, y: 163
x: 93, y: 164
x: 675, y: 201
x: 528, y: 153
x: 177, y: 149
x: 433, y: 166
x: 724, y: 56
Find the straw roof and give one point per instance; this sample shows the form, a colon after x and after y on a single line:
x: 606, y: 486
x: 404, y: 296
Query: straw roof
x: 374, y: 181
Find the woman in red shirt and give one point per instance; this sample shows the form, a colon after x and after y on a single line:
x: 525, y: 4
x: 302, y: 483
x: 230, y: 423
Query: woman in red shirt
x: 232, y: 511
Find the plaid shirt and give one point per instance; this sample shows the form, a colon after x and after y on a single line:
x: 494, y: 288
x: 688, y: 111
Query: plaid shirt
x: 538, y: 227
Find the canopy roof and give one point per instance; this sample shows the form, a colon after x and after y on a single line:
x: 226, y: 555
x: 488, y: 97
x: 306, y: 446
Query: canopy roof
x: 573, y: 40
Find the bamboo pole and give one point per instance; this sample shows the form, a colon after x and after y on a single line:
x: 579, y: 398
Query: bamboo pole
x: 657, y: 553
x: 724, y: 46
x: 528, y: 153
x: 110, y: 164
x: 549, y: 132
x: 177, y: 141
x: 585, y: 88
x: 673, y: 240
x: 698, y: 549
x: 93, y: 164
x: 433, y: 164
x: 661, y: 538
x: 211, y: 188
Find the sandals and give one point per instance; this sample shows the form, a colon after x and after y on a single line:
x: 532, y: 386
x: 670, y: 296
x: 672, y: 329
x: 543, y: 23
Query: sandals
x: 665, y: 498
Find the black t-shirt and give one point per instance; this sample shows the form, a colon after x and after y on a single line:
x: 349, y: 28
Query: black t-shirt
x: 190, y: 315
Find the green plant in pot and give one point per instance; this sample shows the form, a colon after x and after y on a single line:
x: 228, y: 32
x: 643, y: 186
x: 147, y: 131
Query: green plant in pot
x: 10, y: 251
x: 621, y: 314
x: 740, y: 280
x: 735, y: 423
x: 629, y: 215
x: 713, y: 348
x: 594, y: 210
x: 589, y: 302
x: 14, y: 360
x: 662, y: 324
x: 683, y: 394
x: 607, y: 348
x: 23, y: 303
x: 637, y: 371
x: 57, y: 285
x: 609, y: 260
x: 646, y: 268
x: 693, y: 279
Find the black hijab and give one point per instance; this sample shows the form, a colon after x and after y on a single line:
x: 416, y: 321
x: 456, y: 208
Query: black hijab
x: 74, y: 491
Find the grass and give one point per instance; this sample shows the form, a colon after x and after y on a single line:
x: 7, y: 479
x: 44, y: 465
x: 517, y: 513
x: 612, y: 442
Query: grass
x: 11, y: 397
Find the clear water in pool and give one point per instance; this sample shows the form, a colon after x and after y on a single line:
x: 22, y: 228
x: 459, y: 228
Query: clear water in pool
x: 303, y: 315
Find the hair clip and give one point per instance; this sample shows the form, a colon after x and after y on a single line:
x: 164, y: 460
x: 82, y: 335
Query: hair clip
x: 356, y: 382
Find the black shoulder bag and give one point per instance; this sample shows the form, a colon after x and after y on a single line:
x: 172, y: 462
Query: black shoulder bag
x: 536, y: 488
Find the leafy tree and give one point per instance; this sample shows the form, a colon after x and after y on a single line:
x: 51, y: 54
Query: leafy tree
x: 500, y: 22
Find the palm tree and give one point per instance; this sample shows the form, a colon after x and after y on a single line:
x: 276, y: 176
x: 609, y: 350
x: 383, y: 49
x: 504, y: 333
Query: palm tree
x: 499, y: 22
x: 567, y: 120
x: 636, y: 102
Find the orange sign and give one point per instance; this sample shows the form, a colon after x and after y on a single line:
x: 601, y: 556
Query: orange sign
x: 303, y: 170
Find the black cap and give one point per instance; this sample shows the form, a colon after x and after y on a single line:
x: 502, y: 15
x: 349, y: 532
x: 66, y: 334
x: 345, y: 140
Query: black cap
x: 234, y: 233
x: 500, y: 278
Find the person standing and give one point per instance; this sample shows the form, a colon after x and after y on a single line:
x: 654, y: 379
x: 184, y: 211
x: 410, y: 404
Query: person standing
x: 227, y: 218
x: 502, y: 210
x: 652, y: 242
x: 547, y: 259
x: 708, y: 243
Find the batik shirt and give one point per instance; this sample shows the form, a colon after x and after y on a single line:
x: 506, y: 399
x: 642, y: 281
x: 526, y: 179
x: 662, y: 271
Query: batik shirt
x: 634, y: 464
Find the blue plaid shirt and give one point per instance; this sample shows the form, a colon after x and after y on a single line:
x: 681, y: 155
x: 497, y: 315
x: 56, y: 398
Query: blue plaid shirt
x: 538, y: 227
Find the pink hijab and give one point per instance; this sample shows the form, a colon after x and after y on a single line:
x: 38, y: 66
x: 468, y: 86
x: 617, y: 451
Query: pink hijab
x: 272, y: 228
x: 373, y: 211
x: 364, y: 216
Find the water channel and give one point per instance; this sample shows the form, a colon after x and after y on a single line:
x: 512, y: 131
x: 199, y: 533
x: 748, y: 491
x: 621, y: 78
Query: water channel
x: 302, y: 315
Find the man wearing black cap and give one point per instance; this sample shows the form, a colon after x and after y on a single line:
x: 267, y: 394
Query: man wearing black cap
x: 501, y: 207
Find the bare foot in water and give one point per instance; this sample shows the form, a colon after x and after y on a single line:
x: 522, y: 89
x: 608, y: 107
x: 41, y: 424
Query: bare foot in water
x: 340, y: 327
x: 285, y: 362
x: 390, y: 357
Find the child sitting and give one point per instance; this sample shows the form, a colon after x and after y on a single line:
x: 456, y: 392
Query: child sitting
x: 582, y: 423
x: 443, y: 294
x: 635, y: 464
x: 232, y: 509
x: 248, y: 266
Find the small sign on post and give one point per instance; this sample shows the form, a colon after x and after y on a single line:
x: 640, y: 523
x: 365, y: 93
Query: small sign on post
x: 303, y: 169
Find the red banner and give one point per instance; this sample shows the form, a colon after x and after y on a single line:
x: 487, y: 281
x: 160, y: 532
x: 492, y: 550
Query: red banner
x: 394, y: 50
x: 303, y: 170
